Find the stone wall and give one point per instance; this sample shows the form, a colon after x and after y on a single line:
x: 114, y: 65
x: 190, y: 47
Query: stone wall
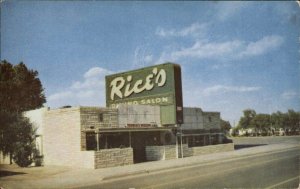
x: 201, y: 150
x: 187, y: 152
x: 170, y: 152
x: 95, y: 118
x: 155, y: 153
x: 113, y: 157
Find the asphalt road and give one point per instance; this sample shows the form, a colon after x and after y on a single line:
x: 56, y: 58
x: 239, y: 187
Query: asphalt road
x: 268, y: 170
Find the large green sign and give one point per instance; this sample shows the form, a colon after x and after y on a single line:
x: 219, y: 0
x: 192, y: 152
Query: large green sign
x: 155, y: 85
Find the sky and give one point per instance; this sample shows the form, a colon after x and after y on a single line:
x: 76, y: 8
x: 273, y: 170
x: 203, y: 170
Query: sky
x: 233, y: 55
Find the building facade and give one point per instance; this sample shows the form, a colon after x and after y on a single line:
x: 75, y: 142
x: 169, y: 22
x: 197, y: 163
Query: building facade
x: 144, y: 120
x: 95, y: 137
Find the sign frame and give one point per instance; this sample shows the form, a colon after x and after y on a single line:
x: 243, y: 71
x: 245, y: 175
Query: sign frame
x: 154, y: 85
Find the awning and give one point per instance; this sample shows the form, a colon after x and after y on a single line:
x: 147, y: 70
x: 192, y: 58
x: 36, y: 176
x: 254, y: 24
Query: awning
x: 118, y: 130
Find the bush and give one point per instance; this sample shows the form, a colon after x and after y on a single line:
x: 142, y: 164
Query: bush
x: 22, y: 155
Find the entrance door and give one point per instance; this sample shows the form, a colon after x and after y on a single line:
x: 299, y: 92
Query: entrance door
x: 138, y: 144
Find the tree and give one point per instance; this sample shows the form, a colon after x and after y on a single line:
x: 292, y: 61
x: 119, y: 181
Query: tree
x: 20, y: 90
x: 245, y: 121
x: 293, y: 120
x: 225, y: 126
x: 289, y: 121
x: 261, y: 122
x: 22, y: 141
x: 277, y: 120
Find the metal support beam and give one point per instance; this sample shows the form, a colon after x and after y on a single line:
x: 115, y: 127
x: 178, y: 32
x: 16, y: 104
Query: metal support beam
x: 129, y: 139
x: 181, y: 141
x: 97, y: 140
x: 177, y: 151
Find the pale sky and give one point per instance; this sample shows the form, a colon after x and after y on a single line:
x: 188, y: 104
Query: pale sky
x: 234, y: 55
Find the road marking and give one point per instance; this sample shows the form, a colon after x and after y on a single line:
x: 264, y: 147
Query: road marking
x: 283, y: 182
x: 211, y: 174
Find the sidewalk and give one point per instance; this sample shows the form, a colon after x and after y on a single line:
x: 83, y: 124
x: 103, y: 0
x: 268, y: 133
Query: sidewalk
x: 67, y: 177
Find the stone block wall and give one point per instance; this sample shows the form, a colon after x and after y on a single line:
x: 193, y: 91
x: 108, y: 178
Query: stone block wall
x: 187, y: 152
x: 95, y: 118
x: 201, y: 150
x: 170, y: 152
x: 212, y: 149
x: 113, y: 157
x: 155, y: 153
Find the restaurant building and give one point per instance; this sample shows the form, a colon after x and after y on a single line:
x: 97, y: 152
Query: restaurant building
x: 144, y: 120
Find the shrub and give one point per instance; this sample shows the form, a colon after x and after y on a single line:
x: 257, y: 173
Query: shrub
x: 22, y: 155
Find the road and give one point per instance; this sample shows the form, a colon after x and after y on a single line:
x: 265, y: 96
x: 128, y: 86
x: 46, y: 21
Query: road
x: 268, y: 170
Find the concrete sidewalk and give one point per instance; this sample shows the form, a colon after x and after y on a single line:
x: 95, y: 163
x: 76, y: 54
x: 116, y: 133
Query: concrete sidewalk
x: 67, y: 177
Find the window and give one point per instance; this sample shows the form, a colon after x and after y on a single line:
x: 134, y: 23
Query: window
x: 168, y: 138
x: 209, y: 118
x: 100, y: 117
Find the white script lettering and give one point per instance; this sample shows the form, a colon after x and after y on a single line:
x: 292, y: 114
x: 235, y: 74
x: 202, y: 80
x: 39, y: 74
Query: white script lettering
x: 117, y: 84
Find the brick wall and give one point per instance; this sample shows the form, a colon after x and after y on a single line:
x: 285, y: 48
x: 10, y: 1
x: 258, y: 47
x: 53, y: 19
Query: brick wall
x: 154, y: 153
x: 113, y: 157
x: 62, y: 139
